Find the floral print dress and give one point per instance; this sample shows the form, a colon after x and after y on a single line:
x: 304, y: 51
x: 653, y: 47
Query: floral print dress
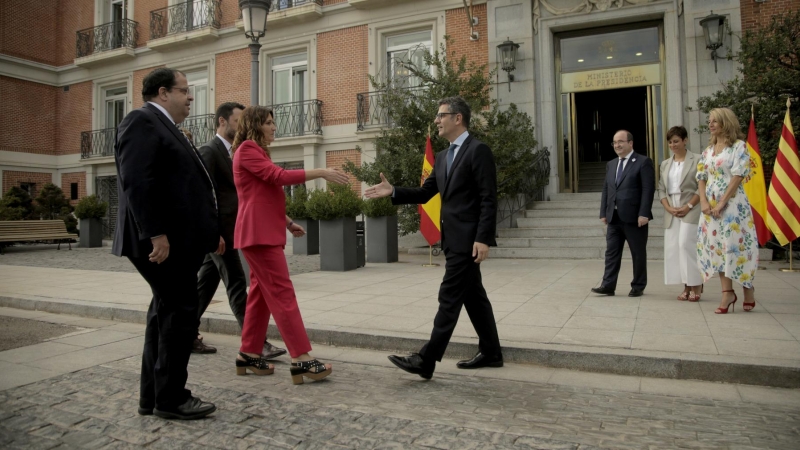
x: 727, y: 245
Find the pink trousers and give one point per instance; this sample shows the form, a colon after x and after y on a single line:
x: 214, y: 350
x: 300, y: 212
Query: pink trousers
x: 271, y: 293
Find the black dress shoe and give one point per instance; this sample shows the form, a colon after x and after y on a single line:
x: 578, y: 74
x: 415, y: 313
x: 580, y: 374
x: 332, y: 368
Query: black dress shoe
x: 145, y: 408
x: 413, y: 364
x: 271, y: 351
x: 194, y: 408
x: 480, y: 360
x: 603, y: 290
x: 635, y: 293
x: 199, y: 347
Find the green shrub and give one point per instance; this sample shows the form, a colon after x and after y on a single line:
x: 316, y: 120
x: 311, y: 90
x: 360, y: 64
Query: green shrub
x: 379, y: 207
x: 337, y: 201
x: 91, y: 207
x: 296, y: 203
x: 51, y: 203
x: 16, y: 204
x: 71, y: 222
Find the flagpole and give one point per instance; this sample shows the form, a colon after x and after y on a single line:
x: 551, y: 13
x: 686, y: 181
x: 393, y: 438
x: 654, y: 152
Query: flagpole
x: 430, y: 257
x: 791, y: 268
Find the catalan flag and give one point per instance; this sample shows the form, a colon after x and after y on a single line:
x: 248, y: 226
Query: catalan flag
x: 783, y: 208
x: 430, y: 212
x: 754, y: 186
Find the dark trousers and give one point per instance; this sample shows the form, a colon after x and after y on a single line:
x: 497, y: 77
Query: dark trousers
x: 171, y: 328
x: 462, y: 285
x: 228, y: 267
x: 617, y: 233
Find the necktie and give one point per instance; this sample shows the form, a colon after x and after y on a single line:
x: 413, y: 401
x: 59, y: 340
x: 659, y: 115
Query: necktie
x: 619, y: 169
x: 451, y: 152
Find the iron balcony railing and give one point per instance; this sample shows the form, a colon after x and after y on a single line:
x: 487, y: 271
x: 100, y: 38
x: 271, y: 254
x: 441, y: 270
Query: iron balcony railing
x: 372, y: 109
x: 185, y: 16
x: 201, y: 127
x: 280, y: 5
x: 98, y: 143
x: 298, y: 118
x: 108, y: 36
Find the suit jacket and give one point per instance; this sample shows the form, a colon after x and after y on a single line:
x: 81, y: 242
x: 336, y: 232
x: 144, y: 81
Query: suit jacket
x: 688, y: 187
x: 163, y: 188
x: 220, y: 167
x: 469, y: 196
x: 262, y: 203
x: 633, y: 195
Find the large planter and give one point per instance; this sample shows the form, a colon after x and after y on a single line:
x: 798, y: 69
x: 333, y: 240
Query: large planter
x: 382, y: 239
x: 337, y: 244
x: 308, y: 244
x: 91, y: 234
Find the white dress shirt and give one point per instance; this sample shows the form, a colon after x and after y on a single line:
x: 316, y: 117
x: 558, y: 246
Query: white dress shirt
x: 227, y: 144
x: 674, y: 178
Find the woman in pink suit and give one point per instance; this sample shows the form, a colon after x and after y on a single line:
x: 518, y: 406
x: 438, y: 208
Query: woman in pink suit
x: 260, y: 234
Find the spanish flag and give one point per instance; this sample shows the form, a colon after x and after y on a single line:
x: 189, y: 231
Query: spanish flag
x: 429, y: 213
x: 755, y: 187
x: 783, y: 208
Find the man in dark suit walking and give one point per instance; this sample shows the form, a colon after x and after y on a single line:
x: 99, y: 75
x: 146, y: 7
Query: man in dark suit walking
x: 216, y: 154
x: 167, y: 222
x: 466, y: 178
x: 626, y: 207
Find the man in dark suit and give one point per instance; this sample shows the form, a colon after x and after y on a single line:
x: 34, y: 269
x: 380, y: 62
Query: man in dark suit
x: 167, y: 222
x: 626, y: 207
x: 216, y: 154
x: 466, y: 178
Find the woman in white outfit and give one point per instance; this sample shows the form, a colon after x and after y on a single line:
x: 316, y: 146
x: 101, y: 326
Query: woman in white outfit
x: 677, y: 189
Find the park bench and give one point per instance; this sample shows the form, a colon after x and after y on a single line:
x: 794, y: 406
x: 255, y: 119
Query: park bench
x: 12, y: 231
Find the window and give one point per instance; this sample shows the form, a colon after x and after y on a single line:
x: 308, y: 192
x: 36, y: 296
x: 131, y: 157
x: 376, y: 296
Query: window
x: 116, y: 100
x: 404, y: 49
x: 30, y: 188
x: 73, y: 191
x: 620, y: 48
x: 198, y: 88
x: 289, y: 90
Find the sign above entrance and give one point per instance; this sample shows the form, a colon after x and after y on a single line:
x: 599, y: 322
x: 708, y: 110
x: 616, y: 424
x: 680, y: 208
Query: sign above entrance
x: 621, y: 77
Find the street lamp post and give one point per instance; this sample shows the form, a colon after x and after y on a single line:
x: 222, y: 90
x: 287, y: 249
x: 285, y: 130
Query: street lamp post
x: 254, y: 16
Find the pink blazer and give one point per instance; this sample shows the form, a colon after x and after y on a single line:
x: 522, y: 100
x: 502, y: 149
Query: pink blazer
x: 262, y: 203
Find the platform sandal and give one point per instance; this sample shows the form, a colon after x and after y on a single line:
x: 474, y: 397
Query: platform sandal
x: 258, y: 366
x: 312, y: 369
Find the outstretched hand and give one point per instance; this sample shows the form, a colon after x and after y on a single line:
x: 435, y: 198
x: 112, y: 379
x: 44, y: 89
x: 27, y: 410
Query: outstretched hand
x: 336, y: 176
x: 379, y: 190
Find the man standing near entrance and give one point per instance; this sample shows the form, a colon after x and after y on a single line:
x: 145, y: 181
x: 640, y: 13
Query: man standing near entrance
x: 626, y: 207
x: 466, y: 177
x: 167, y: 223
x: 216, y: 154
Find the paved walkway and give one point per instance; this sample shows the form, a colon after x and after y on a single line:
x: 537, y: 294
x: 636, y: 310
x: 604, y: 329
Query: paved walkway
x: 537, y: 304
x: 81, y: 391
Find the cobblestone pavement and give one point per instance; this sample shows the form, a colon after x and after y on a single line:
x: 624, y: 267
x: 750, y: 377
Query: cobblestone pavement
x: 368, y: 406
x: 45, y: 255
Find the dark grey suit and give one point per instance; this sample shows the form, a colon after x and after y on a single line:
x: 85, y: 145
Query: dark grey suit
x: 469, y: 213
x: 622, y: 203
x: 228, y: 266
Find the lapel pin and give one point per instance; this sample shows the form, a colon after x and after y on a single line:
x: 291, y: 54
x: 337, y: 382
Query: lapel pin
x: 633, y: 160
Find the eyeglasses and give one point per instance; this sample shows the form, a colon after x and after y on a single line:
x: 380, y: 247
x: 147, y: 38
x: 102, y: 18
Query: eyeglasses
x: 185, y: 90
x: 616, y: 143
x: 440, y: 116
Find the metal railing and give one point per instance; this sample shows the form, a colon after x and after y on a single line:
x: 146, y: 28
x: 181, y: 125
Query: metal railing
x: 281, y: 5
x: 108, y: 36
x: 201, y: 126
x: 98, y: 143
x: 528, y: 187
x: 298, y: 118
x: 185, y: 16
x: 372, y: 109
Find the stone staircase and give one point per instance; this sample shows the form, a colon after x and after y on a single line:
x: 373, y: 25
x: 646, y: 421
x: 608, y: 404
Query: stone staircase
x: 567, y: 227
x: 592, y: 176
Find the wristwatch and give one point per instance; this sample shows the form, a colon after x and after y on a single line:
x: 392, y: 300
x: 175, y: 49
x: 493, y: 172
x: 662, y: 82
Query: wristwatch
x: 690, y: 205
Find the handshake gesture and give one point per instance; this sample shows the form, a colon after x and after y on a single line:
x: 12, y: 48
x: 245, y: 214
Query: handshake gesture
x: 384, y: 189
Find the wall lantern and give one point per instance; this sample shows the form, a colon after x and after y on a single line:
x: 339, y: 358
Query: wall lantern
x: 254, y: 16
x: 714, y: 29
x: 507, y: 56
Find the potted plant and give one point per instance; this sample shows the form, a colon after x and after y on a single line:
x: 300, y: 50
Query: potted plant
x: 381, y: 230
x: 336, y: 208
x: 90, y: 210
x: 297, y: 211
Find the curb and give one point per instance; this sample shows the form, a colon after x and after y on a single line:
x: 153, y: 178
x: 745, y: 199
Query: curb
x: 613, y: 361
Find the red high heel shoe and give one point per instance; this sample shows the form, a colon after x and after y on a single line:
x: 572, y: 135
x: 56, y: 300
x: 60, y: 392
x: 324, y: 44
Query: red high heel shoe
x: 730, y: 305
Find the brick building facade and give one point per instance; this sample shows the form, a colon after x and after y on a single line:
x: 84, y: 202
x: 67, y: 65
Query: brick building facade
x: 66, y: 86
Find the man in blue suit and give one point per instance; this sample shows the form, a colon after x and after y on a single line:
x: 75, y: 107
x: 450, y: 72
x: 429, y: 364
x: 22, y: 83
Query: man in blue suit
x: 626, y: 207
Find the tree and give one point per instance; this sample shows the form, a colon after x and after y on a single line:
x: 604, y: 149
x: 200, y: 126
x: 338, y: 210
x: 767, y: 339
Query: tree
x: 52, y: 205
x: 400, y: 147
x: 16, y: 204
x: 769, y: 73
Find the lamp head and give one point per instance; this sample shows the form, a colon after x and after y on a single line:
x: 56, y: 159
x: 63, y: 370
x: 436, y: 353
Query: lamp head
x: 254, y: 16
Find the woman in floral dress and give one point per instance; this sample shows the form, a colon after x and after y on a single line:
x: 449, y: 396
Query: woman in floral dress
x: 727, y: 242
